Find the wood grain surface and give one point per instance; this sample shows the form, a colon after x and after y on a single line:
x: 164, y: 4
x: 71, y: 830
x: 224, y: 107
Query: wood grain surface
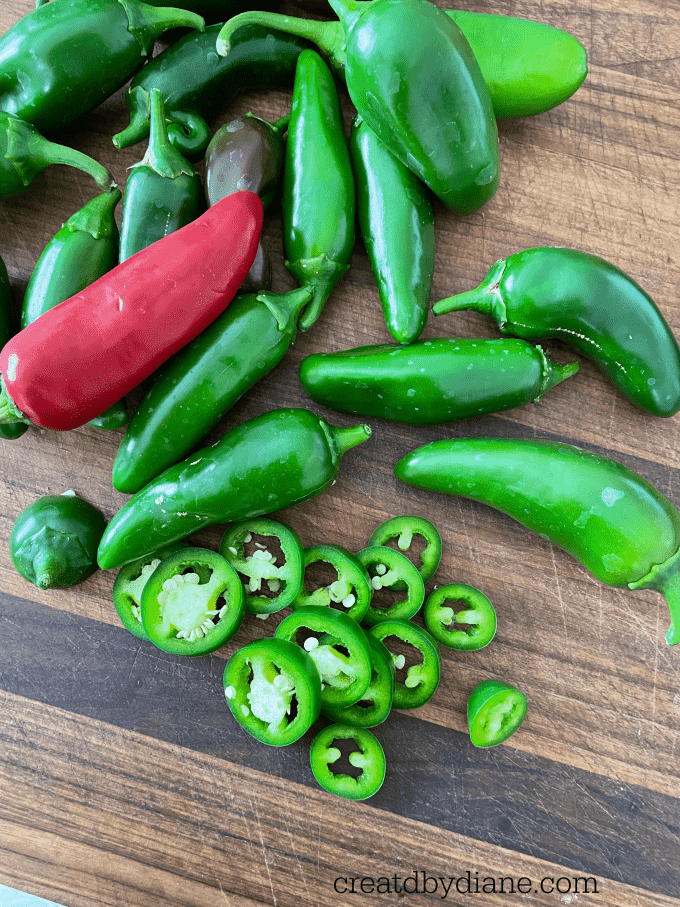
x: 124, y: 781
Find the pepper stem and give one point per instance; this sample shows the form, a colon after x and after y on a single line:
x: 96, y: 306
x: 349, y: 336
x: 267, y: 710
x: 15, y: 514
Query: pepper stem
x: 345, y: 439
x: 486, y: 298
x: 147, y: 23
x: 96, y: 216
x: 553, y: 373
x: 348, y: 11
x: 161, y: 156
x: 328, y: 36
x: 665, y: 578
x: 9, y: 413
x: 280, y: 126
x: 286, y: 307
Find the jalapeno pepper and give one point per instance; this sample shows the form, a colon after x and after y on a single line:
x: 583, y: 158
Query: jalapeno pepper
x: 318, y: 227
x: 338, y: 647
x: 25, y: 153
x: 351, y: 589
x: 612, y: 520
x: 268, y: 556
x: 366, y: 756
x: 196, y: 82
x: 163, y: 191
x: 129, y: 585
x: 421, y: 678
x: 388, y: 568
x: 466, y: 628
x: 376, y: 703
x: 396, y: 221
x: 53, y: 543
x: 495, y: 710
x: 402, y: 529
x: 192, y: 603
x: 432, y: 381
x: 82, y: 356
x: 263, y: 465
x: 591, y: 305
x: 190, y: 395
x: 273, y: 690
x: 63, y: 59
x: 12, y: 430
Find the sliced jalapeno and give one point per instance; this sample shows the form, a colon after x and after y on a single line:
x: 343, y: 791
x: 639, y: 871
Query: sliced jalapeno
x: 422, y: 679
x: 273, y: 690
x: 471, y: 628
x: 366, y: 755
x: 129, y: 585
x: 268, y: 555
x: 494, y: 712
x: 338, y: 647
x: 192, y: 603
x: 376, y: 703
x: 390, y: 569
x: 402, y: 529
x: 350, y: 590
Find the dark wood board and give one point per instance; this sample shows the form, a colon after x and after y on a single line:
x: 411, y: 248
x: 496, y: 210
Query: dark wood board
x: 123, y: 778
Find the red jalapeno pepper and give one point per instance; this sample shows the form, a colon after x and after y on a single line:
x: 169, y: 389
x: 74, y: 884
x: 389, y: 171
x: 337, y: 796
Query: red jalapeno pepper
x: 82, y: 356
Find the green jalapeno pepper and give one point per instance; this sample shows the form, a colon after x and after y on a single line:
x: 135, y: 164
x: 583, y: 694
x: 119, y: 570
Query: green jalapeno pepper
x: 495, y: 710
x: 53, y: 543
x: 351, y: 589
x: 338, y: 647
x: 388, y: 568
x: 129, y: 585
x: 432, y: 381
x: 190, y: 395
x: 268, y: 555
x: 421, y: 679
x: 402, y: 529
x: 9, y: 431
x: 612, y: 520
x: 591, y: 305
x: 82, y: 251
x: 376, y: 703
x: 63, y: 59
x: 163, y: 191
x: 196, y: 82
x: 466, y: 629
x: 25, y: 153
x: 366, y: 756
x: 273, y: 690
x: 318, y: 227
x: 192, y: 603
x: 266, y: 464
x: 396, y: 221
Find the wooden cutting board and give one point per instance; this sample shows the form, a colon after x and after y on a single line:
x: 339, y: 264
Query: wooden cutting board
x: 124, y: 779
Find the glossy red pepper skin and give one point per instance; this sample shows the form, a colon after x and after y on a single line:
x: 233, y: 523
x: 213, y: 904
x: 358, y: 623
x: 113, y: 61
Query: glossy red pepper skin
x: 82, y: 356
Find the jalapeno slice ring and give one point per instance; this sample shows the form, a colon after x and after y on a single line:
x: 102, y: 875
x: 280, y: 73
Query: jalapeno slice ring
x: 129, y: 585
x: 468, y: 629
x: 273, y: 690
x: 376, y: 703
x: 402, y: 529
x: 260, y: 567
x: 367, y: 756
x: 389, y: 568
x: 192, y: 603
x: 351, y: 591
x: 495, y: 710
x: 422, y: 679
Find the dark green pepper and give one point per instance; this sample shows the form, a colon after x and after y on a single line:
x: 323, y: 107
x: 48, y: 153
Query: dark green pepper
x: 190, y: 395
x: 163, y: 191
x: 53, y: 543
x: 25, y: 153
x: 612, y: 520
x: 82, y: 251
x: 366, y: 756
x: 467, y: 628
x: 396, y: 221
x: 63, y: 59
x: 266, y: 464
x: 350, y: 589
x: 495, y: 710
x: 9, y: 431
x: 402, y: 530
x: 318, y: 226
x: 196, y: 82
x: 388, y: 569
x: 129, y: 585
x: 421, y: 678
x: 591, y: 305
x: 376, y: 703
x: 432, y: 381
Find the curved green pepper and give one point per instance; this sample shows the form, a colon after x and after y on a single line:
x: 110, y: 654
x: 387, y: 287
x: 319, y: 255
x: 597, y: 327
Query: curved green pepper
x: 591, y: 305
x: 432, y: 381
x: 351, y: 589
x: 273, y: 690
x: 396, y: 221
x: 63, y: 59
x: 163, y: 191
x: 389, y: 569
x: 196, y: 82
x: 366, y: 756
x: 190, y: 395
x: 318, y: 226
x: 268, y: 553
x: 376, y: 703
x: 53, y: 543
x: 612, y: 520
x: 129, y: 585
x: 402, y: 529
x: 82, y: 251
x: 466, y: 629
x: 9, y: 431
x: 495, y: 710
x: 421, y: 680
x: 263, y: 465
